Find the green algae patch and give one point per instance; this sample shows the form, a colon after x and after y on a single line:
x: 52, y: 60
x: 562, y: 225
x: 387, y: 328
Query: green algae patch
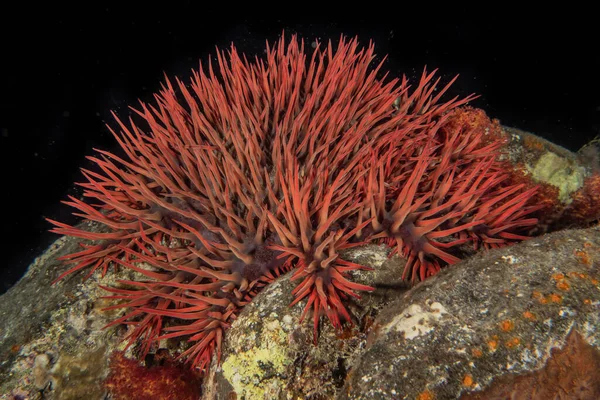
x: 560, y: 172
x: 260, y: 370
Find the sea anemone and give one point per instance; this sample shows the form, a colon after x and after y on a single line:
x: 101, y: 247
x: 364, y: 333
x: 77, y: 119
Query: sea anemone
x: 268, y: 166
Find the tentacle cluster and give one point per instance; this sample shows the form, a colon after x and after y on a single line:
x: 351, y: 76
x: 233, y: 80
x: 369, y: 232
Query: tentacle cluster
x: 260, y: 167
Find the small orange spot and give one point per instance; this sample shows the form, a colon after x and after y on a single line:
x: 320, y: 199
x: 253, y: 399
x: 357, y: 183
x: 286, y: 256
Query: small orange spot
x: 579, y: 275
x: 594, y: 281
x: 468, y: 381
x: 539, y: 297
x: 587, y: 245
x: 346, y: 333
x: 514, y: 342
x: 555, y: 298
x: 507, y: 325
x: 533, y: 144
x: 477, y: 353
x: 15, y: 348
x: 583, y: 257
x: 587, y: 301
x: 558, y: 277
x: 563, y: 286
x: 492, y: 344
x: 529, y: 315
x: 426, y: 395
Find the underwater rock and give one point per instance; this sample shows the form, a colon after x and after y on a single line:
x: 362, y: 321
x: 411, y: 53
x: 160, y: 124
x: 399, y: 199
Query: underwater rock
x: 52, y: 341
x: 568, y: 183
x: 507, y: 322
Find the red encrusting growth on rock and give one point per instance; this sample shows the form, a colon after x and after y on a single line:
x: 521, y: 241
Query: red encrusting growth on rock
x: 263, y: 167
x: 164, y: 379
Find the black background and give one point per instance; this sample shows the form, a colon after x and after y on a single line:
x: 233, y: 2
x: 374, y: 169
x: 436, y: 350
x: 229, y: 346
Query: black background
x: 64, y: 68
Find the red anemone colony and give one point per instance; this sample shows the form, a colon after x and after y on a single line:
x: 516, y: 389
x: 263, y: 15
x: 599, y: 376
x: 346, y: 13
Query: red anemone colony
x: 259, y: 167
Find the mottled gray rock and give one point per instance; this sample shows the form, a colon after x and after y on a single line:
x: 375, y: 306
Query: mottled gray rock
x: 52, y: 344
x: 498, y: 314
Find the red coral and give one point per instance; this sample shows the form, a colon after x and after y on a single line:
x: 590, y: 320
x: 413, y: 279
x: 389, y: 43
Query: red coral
x: 265, y: 167
x: 166, y: 379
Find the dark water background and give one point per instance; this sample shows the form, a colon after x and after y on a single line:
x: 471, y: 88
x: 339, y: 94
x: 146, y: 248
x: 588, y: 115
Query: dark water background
x: 62, y: 69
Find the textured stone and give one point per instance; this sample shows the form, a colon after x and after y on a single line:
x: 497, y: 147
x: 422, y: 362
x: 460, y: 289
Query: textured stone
x: 52, y: 339
x: 500, y: 313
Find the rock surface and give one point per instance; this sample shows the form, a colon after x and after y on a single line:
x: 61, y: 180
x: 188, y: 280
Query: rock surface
x: 568, y: 183
x: 484, y: 322
x: 52, y: 341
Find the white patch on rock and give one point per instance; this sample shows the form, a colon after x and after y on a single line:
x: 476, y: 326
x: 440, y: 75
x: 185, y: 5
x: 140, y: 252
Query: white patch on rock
x: 566, y: 312
x: 590, y: 333
x: 510, y: 259
x: 287, y: 319
x: 416, y: 320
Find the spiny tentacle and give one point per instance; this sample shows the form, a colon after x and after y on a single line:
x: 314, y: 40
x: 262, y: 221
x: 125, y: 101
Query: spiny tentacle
x: 256, y: 168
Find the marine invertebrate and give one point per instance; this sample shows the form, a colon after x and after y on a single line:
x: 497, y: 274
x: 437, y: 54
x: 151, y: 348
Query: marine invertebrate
x: 448, y: 189
x: 274, y: 165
